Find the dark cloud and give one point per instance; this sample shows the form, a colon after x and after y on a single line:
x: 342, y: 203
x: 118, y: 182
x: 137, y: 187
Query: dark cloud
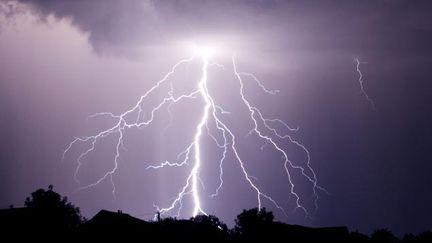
x: 116, y: 26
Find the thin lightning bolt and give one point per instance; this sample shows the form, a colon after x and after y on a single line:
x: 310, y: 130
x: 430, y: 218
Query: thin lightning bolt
x: 360, y: 80
x: 212, y: 113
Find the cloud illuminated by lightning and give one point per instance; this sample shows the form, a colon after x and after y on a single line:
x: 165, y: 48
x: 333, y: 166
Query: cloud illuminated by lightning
x: 212, y: 113
x: 360, y: 80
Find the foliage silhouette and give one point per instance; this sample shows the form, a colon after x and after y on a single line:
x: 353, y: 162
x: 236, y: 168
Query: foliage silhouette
x: 256, y: 225
x: 252, y: 220
x: 409, y: 238
x: 425, y: 237
x: 384, y: 236
x: 57, y: 211
x: 47, y: 214
x: 210, y: 221
x: 357, y: 237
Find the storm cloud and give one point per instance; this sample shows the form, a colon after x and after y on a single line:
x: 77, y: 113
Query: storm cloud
x: 126, y: 25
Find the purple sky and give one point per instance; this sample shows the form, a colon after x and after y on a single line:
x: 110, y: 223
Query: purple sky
x: 61, y: 61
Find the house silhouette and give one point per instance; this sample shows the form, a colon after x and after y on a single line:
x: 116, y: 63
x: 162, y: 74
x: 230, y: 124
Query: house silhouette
x: 108, y: 225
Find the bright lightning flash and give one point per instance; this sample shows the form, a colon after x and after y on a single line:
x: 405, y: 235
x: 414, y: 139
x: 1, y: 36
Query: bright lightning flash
x: 206, y: 52
x: 212, y: 113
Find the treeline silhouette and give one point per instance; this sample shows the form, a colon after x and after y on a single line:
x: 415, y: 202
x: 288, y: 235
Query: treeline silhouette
x: 49, y: 217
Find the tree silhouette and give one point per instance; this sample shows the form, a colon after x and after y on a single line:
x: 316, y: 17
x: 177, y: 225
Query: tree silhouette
x: 211, y: 221
x: 410, y: 238
x: 357, y: 237
x: 56, y: 211
x: 425, y: 236
x: 384, y: 236
x: 252, y: 221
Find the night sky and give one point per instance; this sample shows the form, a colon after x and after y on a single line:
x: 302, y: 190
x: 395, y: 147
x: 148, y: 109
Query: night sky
x: 61, y: 61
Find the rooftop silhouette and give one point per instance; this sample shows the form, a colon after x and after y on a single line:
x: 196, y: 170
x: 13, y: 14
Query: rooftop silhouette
x: 47, y: 216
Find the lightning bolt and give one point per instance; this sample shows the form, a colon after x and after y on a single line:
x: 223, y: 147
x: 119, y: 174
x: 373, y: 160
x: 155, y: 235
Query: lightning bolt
x: 360, y: 80
x: 212, y: 114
